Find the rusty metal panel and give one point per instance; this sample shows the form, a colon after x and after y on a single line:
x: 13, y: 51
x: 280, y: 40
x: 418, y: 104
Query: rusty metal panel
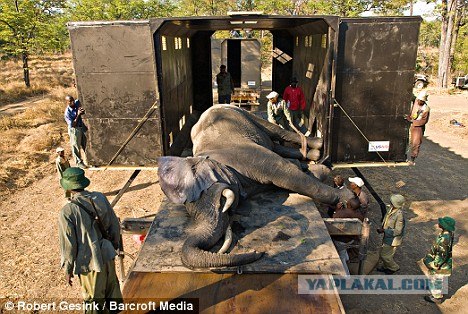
x: 107, y: 135
x: 375, y: 67
x: 116, y: 80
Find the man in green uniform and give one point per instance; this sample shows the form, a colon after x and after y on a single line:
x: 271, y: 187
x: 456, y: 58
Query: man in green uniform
x: 439, y: 260
x: 393, y: 227
x: 89, y: 235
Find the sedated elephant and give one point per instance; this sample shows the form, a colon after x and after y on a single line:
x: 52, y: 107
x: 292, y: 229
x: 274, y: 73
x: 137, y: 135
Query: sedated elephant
x: 236, y: 154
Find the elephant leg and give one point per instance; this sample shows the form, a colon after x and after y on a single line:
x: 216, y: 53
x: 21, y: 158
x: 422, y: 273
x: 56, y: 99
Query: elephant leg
x: 266, y: 167
x: 277, y: 133
x: 295, y: 153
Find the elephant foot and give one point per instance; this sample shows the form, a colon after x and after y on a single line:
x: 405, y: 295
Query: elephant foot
x: 313, y: 154
x: 319, y: 171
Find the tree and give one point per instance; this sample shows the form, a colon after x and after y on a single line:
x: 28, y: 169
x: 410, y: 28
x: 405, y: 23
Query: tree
x: 91, y: 10
x: 21, y: 22
x: 452, y: 18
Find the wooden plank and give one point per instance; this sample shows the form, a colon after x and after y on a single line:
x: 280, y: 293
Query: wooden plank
x: 231, y: 293
x: 288, y: 227
x: 343, y: 226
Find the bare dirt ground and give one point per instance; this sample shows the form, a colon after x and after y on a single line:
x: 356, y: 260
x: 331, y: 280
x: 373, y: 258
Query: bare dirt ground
x: 435, y: 187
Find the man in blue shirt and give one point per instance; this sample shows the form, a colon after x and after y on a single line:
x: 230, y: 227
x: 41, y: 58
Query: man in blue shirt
x: 76, y: 130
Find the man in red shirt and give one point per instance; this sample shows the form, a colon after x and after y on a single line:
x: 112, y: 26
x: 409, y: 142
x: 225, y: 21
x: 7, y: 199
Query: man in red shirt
x: 295, y: 101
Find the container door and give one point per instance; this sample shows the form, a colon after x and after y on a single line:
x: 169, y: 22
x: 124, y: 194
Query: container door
x: 374, y: 79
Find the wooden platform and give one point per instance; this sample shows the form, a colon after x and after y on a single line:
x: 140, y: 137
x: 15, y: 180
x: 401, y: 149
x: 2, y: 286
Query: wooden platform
x: 288, y: 227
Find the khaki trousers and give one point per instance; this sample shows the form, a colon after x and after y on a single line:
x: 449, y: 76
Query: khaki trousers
x: 78, y: 144
x: 386, y: 255
x: 100, y: 288
x: 417, y: 133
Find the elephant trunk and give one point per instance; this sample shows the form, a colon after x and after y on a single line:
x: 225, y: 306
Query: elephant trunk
x: 194, y: 257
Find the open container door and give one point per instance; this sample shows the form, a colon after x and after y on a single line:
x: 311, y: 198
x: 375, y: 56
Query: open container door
x: 374, y: 78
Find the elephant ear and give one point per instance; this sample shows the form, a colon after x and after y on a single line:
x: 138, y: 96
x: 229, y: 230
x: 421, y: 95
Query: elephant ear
x: 183, y: 179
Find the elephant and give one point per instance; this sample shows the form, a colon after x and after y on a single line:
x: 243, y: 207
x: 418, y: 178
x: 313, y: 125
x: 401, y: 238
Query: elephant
x: 235, y: 155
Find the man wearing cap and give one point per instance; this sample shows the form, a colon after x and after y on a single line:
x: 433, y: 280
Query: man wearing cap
x: 393, y: 227
x: 418, y: 118
x: 225, y: 85
x: 61, y: 164
x: 439, y: 260
x: 278, y: 112
x: 295, y: 101
x: 356, y: 185
x: 89, y: 235
x: 76, y: 130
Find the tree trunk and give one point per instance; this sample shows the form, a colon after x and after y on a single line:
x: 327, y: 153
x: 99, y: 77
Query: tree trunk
x: 458, y: 22
x: 448, y: 16
x: 24, y: 56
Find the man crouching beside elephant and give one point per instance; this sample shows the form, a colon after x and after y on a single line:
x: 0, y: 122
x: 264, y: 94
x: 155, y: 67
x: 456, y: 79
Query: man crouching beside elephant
x: 236, y: 155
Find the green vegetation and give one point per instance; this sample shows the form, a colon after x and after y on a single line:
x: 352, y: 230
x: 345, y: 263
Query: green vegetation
x: 31, y: 27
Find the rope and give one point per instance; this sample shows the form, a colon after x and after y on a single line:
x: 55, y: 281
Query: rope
x: 347, y: 115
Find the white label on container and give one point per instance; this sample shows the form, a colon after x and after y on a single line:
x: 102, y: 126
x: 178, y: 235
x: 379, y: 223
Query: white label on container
x: 379, y: 146
x: 251, y: 83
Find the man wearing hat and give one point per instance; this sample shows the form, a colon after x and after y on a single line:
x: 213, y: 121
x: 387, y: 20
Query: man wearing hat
x: 439, y: 260
x: 278, y: 112
x: 225, y: 85
x: 418, y: 118
x: 295, y: 101
x: 89, y: 235
x: 356, y: 185
x: 393, y: 227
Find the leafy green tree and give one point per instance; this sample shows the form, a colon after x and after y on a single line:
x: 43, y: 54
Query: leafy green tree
x: 21, y: 24
x: 90, y: 10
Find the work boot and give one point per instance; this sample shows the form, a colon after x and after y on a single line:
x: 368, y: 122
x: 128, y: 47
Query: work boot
x: 431, y: 299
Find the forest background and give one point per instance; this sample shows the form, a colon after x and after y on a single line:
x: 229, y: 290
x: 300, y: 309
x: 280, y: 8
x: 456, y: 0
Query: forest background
x: 31, y: 28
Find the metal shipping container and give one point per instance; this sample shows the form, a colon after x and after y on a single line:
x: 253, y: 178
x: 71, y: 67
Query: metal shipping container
x: 356, y: 74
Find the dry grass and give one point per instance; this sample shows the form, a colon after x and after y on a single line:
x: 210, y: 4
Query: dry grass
x: 46, y: 73
x: 30, y: 137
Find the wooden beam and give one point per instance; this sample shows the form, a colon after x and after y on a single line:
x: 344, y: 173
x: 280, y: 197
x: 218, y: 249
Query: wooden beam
x: 343, y: 226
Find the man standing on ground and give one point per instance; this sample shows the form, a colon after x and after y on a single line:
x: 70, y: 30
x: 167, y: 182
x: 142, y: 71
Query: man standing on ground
x: 393, y: 228
x: 76, y: 130
x: 61, y: 164
x: 89, y: 235
x: 225, y: 85
x: 439, y: 260
x: 418, y: 118
x: 295, y: 100
x: 356, y: 185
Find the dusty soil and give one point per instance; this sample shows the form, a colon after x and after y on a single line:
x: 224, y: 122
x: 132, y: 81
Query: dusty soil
x: 435, y: 187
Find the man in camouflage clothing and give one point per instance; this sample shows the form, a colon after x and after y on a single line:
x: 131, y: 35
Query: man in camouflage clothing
x: 439, y: 260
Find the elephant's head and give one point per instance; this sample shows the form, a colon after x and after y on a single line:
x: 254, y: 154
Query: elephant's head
x: 209, y: 191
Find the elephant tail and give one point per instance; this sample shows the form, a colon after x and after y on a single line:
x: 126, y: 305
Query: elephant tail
x: 194, y: 257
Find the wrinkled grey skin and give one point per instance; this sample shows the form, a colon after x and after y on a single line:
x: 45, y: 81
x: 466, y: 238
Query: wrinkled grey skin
x: 243, y: 142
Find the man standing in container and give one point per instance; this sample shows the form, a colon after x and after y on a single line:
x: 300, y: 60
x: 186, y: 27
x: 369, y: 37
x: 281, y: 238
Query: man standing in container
x: 225, y: 85
x: 295, y: 100
x: 76, y: 130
